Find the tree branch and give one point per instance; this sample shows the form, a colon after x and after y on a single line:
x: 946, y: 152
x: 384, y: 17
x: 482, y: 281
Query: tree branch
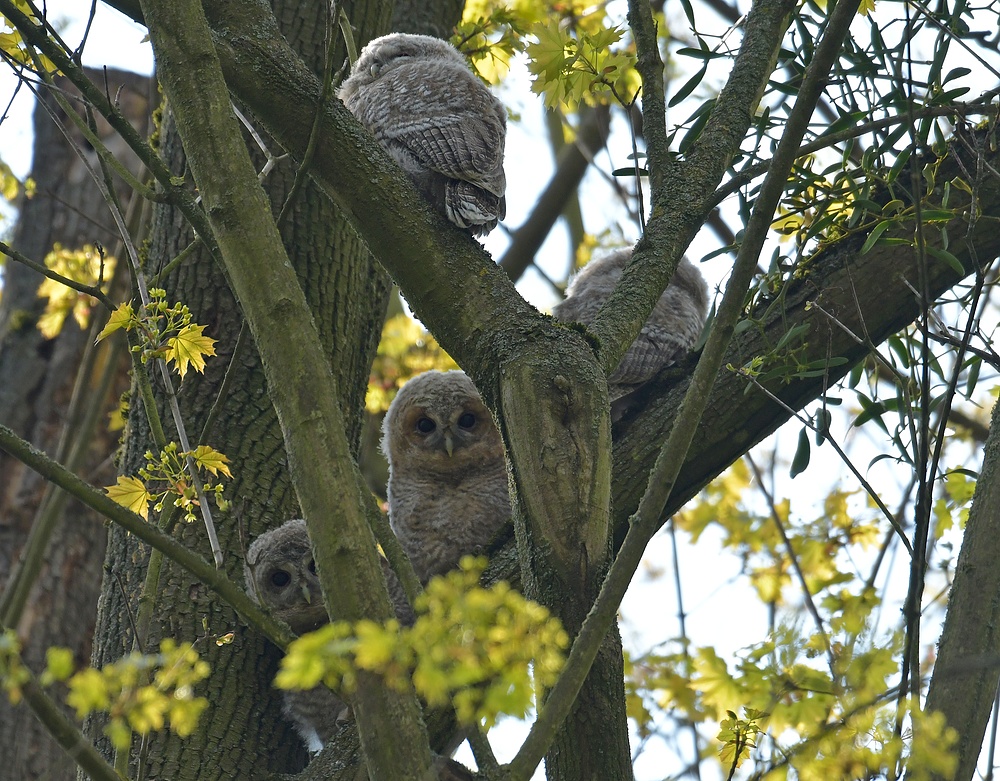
x: 300, y: 380
x: 682, y: 192
x: 55, y: 473
x: 571, y: 165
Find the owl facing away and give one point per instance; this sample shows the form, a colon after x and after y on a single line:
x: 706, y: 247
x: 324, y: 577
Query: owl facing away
x: 673, y: 326
x: 447, y: 475
x: 417, y: 96
x: 280, y: 574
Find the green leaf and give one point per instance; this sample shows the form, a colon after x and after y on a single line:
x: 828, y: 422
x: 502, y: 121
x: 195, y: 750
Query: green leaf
x: 122, y: 317
x: 190, y: 346
x: 801, y: 458
x: 873, y: 237
x: 823, y: 420
x: 947, y: 257
x: 688, y: 87
x: 211, y: 459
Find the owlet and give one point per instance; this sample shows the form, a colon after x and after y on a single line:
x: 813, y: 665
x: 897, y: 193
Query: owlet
x: 673, y: 326
x: 447, y: 476
x: 438, y: 121
x: 281, y: 574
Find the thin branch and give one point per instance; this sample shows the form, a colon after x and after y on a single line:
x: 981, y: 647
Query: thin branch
x: 794, y: 559
x: 682, y: 191
x: 984, y: 105
x: 32, y: 556
x: 249, y: 611
x: 843, y: 457
x: 572, y: 163
x: 685, y: 642
x: 65, y: 732
x: 89, y: 290
x: 103, y: 184
x: 645, y: 521
x: 44, y: 40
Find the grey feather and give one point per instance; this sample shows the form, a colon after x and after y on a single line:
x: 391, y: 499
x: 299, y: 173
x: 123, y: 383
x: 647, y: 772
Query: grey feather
x: 447, y: 474
x: 671, y: 331
x: 280, y: 573
x: 442, y: 125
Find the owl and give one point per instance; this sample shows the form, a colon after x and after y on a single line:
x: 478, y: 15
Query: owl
x: 671, y: 331
x: 447, y: 475
x: 281, y: 574
x: 438, y: 121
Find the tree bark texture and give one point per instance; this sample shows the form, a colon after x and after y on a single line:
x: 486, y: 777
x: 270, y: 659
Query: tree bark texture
x: 964, y: 682
x: 38, y: 380
x: 242, y: 730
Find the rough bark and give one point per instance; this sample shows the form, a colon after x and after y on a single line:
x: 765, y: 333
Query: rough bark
x: 964, y: 682
x: 242, y: 729
x: 34, y: 400
x: 835, y: 280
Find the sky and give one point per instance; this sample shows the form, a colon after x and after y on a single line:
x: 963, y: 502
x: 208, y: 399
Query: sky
x: 718, y: 612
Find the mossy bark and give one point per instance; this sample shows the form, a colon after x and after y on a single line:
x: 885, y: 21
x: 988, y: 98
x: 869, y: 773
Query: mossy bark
x: 242, y: 730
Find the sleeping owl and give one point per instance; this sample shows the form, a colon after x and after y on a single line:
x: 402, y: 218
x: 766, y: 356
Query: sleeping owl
x: 438, y: 121
x: 447, y: 475
x: 280, y: 574
x: 672, y: 329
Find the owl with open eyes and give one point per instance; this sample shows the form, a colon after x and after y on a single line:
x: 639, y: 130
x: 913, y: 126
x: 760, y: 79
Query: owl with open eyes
x: 447, y: 475
x: 417, y: 96
x: 280, y: 574
x: 671, y: 331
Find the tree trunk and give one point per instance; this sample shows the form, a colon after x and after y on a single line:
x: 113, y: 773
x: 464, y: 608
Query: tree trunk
x: 35, y: 402
x: 964, y: 682
x: 242, y: 729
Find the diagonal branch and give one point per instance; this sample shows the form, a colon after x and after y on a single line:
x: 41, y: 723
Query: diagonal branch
x: 216, y: 580
x: 682, y: 192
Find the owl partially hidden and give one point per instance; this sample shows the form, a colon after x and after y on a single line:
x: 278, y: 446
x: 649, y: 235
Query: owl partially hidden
x: 447, y: 476
x: 438, y: 121
x: 671, y: 331
x: 280, y: 574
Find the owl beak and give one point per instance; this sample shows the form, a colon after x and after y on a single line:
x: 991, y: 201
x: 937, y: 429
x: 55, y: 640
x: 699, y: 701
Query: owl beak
x: 449, y: 443
x: 306, y: 595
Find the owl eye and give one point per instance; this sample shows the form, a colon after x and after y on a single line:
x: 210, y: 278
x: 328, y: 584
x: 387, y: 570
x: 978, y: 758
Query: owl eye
x: 312, y: 566
x: 280, y: 578
x: 426, y: 425
x: 467, y: 421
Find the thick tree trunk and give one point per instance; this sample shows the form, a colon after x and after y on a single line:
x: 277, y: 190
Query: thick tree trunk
x: 35, y: 395
x: 242, y: 729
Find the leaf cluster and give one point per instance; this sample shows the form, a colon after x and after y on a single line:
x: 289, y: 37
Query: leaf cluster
x: 470, y: 647
x: 86, y: 265
x: 404, y: 351
x: 165, y: 331
x: 591, y: 67
x: 140, y: 692
x: 13, y: 47
x: 166, y: 475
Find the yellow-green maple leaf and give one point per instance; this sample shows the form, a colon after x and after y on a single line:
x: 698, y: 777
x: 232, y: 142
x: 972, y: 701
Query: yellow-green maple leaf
x: 211, y: 459
x: 190, y: 346
x: 122, y: 317
x: 131, y: 493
